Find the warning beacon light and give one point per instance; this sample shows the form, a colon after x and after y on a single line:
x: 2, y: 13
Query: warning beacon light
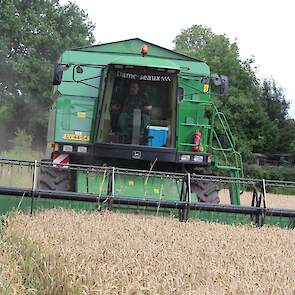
x: 144, y: 49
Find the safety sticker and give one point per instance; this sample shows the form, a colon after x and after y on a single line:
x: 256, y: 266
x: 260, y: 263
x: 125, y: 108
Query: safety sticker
x: 79, y: 137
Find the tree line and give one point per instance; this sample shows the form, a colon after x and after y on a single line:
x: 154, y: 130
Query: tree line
x: 257, y: 111
x: 34, y: 33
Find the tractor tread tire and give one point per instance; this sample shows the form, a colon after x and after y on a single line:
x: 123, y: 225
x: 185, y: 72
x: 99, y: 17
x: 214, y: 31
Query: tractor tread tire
x: 207, y: 192
x: 55, y: 179
x: 211, y: 188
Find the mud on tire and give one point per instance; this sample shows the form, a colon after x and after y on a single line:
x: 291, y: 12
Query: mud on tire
x: 56, y: 179
x: 207, y: 192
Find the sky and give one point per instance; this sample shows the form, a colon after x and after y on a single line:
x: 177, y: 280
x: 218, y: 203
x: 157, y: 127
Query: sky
x: 263, y: 29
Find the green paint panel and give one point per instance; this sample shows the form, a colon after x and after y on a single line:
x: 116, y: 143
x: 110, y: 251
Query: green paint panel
x: 191, y: 115
x: 96, y: 183
x: 187, y: 66
x: 129, y: 186
x: 133, y: 46
x: 146, y: 62
x: 132, y: 186
x: 80, y: 84
x: 151, y: 188
x: 74, y: 115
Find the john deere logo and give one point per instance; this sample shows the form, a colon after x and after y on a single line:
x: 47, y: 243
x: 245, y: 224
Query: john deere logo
x: 136, y: 154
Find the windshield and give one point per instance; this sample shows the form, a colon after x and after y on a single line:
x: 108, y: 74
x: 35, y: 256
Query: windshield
x: 139, y: 108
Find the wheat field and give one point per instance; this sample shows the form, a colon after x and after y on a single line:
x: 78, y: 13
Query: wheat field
x: 272, y: 200
x: 65, y: 252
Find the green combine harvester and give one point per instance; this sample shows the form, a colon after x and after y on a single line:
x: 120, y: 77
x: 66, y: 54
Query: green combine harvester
x: 133, y: 128
x: 133, y: 104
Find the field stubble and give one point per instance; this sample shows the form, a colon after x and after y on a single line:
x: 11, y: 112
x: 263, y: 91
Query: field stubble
x: 63, y: 252
x: 273, y: 200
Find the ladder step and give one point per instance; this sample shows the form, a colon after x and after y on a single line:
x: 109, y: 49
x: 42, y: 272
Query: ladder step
x: 197, y: 101
x: 195, y: 125
x: 229, y: 168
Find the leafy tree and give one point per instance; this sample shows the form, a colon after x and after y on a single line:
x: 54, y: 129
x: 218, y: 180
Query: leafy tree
x: 257, y: 113
x: 276, y: 106
x: 292, y: 150
x: 243, y: 108
x: 33, y: 35
x: 274, y: 102
x: 222, y: 57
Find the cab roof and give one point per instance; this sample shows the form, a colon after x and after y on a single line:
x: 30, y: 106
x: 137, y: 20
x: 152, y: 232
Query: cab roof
x: 133, y: 47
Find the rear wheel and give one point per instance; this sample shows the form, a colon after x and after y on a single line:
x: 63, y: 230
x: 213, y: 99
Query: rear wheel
x: 207, y: 192
x: 56, y: 179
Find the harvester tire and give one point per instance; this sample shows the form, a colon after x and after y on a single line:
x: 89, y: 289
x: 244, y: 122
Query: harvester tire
x: 55, y: 179
x: 207, y: 192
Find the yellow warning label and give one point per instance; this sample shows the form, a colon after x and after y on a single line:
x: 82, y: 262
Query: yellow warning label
x: 79, y: 137
x: 156, y: 191
x: 81, y: 115
x: 131, y: 182
x: 206, y: 88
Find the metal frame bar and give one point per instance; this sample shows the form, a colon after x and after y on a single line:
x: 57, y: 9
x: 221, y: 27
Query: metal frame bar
x: 120, y: 200
x: 144, y: 173
x: 184, y: 205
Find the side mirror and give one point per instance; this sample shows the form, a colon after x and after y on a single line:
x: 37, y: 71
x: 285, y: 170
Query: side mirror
x: 221, y: 83
x: 58, y: 72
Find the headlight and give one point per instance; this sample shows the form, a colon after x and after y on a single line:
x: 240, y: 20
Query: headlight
x: 185, y: 158
x: 82, y: 149
x: 198, y: 159
x: 67, y: 148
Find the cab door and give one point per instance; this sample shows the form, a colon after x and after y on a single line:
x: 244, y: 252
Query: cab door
x: 76, y: 100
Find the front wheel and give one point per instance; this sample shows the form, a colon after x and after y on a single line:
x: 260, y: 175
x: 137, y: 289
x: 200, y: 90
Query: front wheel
x: 55, y: 179
x: 207, y: 192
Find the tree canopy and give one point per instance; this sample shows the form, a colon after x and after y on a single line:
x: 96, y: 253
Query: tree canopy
x: 33, y: 35
x: 257, y: 111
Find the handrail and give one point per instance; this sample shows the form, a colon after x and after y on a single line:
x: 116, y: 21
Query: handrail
x: 136, y: 172
x: 225, y: 126
x: 227, y: 152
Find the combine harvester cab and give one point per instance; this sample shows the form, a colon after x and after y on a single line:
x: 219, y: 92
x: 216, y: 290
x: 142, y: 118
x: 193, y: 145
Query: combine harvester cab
x: 132, y: 128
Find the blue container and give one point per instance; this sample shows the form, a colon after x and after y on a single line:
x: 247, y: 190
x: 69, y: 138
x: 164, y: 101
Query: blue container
x: 157, y: 136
